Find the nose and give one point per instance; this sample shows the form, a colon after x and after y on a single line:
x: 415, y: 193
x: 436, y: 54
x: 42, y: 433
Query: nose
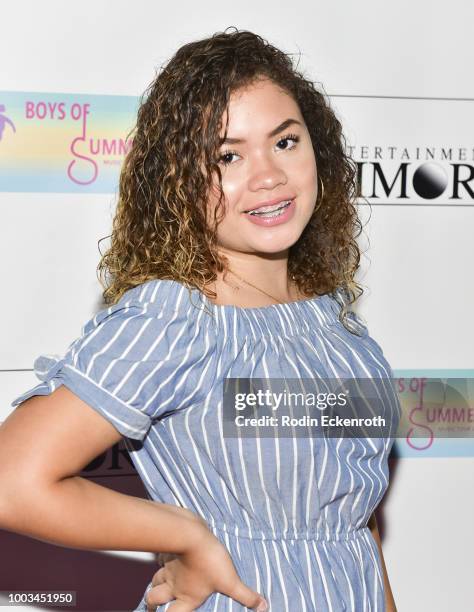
x: 266, y: 174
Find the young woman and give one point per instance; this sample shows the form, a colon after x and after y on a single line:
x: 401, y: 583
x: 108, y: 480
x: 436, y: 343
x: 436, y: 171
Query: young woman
x: 233, y: 255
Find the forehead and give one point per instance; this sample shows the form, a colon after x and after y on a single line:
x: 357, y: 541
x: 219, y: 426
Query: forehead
x: 262, y: 104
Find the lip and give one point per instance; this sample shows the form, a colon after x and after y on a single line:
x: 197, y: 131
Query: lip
x: 270, y: 203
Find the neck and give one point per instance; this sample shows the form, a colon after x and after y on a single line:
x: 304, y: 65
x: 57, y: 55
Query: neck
x: 267, y: 275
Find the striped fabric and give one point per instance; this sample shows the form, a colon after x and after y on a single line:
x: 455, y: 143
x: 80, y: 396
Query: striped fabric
x: 292, y: 512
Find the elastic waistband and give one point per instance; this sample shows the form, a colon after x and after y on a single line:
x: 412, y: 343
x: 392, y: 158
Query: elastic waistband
x: 290, y: 534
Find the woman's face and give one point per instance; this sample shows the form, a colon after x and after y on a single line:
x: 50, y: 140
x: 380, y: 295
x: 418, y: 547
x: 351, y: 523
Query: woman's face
x: 267, y: 159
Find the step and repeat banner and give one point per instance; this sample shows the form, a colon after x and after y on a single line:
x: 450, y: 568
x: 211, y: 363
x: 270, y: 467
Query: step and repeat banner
x: 76, y: 143
x: 53, y: 142
x: 66, y: 117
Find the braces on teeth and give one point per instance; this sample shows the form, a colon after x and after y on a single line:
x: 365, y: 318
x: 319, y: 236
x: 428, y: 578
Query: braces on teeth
x: 272, y: 213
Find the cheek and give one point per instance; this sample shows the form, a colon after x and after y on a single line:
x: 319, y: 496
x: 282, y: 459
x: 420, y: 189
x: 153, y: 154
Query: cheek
x: 309, y: 179
x: 224, y: 210
x: 232, y: 188
x: 232, y: 201
x: 309, y: 168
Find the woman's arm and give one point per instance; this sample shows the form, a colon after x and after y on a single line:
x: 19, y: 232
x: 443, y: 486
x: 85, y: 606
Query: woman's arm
x: 389, y: 600
x: 44, y: 443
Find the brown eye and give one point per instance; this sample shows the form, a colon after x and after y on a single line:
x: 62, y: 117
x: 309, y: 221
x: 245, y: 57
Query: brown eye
x: 225, y: 157
x: 293, y: 137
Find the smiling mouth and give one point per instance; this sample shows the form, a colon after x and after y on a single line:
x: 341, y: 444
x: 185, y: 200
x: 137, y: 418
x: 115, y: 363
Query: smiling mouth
x: 269, y: 211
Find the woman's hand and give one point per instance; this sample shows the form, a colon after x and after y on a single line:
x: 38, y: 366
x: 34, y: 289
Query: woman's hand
x: 191, y: 577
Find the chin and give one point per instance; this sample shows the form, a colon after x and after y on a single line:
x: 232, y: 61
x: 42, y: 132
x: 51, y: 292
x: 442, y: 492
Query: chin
x: 281, y: 244
x: 273, y: 248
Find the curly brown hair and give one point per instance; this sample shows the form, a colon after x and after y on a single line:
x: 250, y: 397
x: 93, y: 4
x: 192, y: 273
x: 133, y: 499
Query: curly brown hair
x: 160, y: 230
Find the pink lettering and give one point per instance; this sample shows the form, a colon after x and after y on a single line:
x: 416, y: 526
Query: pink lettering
x: 109, y: 147
x: 410, y: 437
x: 41, y: 110
x: 102, y: 146
x: 87, y: 161
x: 445, y: 415
x: 94, y: 150
x: 76, y: 111
x: 430, y: 419
x: 458, y: 414
x: 30, y: 110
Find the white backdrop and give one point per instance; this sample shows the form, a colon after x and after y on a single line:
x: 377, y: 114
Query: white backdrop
x: 397, y: 73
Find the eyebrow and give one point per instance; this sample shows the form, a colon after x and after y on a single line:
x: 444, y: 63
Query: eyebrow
x: 274, y: 132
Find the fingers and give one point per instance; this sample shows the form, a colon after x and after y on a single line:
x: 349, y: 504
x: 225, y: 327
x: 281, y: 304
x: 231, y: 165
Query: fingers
x: 158, y: 595
x: 161, y: 593
x: 248, y: 597
x: 158, y: 577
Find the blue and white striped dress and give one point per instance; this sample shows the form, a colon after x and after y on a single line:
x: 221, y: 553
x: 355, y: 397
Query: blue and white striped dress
x: 292, y: 512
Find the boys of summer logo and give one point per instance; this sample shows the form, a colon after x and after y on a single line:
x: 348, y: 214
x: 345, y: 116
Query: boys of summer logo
x: 437, y: 412
x: 63, y: 142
